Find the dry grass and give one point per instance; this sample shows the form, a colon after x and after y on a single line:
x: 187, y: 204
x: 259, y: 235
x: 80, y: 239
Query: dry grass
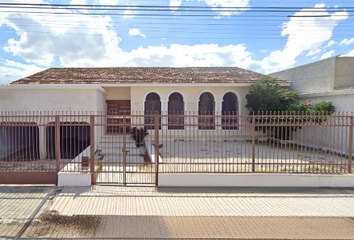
x: 50, y: 222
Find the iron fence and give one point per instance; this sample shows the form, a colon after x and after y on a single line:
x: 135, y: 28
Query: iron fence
x: 134, y: 148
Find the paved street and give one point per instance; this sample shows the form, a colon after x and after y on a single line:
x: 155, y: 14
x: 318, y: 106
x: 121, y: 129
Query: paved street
x: 141, y: 213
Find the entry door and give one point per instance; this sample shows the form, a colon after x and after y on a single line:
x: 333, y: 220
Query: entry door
x: 117, y: 108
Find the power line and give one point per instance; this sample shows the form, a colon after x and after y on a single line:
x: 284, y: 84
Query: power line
x: 164, y: 6
x: 168, y: 15
x: 272, y: 16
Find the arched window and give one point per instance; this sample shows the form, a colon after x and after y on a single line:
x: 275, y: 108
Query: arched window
x: 206, y: 108
x: 152, y: 107
x: 229, y: 111
x: 175, y: 108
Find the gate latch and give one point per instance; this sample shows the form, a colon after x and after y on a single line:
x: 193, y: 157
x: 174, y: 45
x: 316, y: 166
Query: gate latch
x: 125, y: 151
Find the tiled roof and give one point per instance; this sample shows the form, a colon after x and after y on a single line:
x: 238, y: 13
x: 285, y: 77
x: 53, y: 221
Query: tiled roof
x: 142, y: 75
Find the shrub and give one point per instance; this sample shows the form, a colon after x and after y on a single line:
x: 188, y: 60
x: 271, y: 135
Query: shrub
x: 266, y: 95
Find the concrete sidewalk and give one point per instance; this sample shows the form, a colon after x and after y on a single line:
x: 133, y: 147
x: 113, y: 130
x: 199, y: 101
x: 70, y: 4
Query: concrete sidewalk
x: 141, y: 213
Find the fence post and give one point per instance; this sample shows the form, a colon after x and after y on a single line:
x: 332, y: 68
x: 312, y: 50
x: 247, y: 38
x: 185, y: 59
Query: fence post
x: 124, y: 150
x: 92, y: 149
x: 57, y: 143
x: 156, y: 127
x: 350, y: 151
x: 253, y: 143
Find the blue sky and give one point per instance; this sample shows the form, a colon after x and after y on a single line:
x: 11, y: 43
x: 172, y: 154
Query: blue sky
x: 263, y: 36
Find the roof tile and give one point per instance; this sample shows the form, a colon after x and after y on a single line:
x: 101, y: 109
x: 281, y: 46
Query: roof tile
x: 138, y: 75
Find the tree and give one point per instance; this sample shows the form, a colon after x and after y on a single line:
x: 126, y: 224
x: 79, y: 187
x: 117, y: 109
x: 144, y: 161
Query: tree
x: 267, y: 95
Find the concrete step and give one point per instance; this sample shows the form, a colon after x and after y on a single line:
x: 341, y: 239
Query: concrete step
x: 116, y: 138
x: 133, y: 158
x: 116, y: 145
x: 118, y: 151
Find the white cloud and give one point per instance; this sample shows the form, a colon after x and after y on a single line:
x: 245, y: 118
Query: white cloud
x: 227, y: 3
x: 136, y: 32
x: 108, y: 2
x: 174, y: 4
x: 330, y: 43
x: 77, y: 39
x: 347, y: 41
x: 183, y: 55
x: 313, y: 52
x: 328, y: 54
x: 305, y: 34
x: 128, y: 14
x: 215, y: 4
x: 92, y: 41
x: 4, y: 14
x: 11, y: 70
x: 350, y: 54
x: 78, y: 2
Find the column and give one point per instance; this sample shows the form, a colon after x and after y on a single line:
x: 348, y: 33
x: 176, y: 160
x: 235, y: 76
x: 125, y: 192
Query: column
x: 42, y: 142
x: 164, y: 112
x: 218, y: 114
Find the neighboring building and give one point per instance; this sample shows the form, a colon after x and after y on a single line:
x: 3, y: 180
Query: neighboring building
x: 327, y: 80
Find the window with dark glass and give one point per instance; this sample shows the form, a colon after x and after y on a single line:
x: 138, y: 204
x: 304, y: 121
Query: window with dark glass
x: 175, y: 111
x: 152, y: 107
x: 206, y: 108
x: 229, y: 111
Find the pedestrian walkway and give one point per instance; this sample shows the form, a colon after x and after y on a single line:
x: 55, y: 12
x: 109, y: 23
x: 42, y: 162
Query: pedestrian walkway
x: 117, y: 166
x: 239, y: 213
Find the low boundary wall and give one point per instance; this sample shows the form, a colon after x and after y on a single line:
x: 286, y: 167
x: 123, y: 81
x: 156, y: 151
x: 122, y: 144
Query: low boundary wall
x: 254, y: 180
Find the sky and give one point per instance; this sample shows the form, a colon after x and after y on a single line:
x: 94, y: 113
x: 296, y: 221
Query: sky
x: 260, y: 35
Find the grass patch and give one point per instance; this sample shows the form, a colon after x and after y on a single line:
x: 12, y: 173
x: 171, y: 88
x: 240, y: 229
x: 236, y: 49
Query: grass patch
x: 318, y: 169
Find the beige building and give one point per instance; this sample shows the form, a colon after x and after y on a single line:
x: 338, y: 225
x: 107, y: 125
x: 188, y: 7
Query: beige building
x: 135, y: 90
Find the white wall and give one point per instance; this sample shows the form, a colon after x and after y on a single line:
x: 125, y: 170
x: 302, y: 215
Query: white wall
x: 334, y: 138
x: 254, y: 180
x: 311, y: 78
x: 32, y: 99
x: 322, y: 76
x: 344, y: 76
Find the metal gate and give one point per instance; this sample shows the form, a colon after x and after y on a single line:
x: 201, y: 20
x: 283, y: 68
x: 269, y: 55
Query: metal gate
x: 122, y: 157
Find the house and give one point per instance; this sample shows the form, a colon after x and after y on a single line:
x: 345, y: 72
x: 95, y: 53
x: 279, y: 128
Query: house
x: 125, y: 90
x: 135, y: 89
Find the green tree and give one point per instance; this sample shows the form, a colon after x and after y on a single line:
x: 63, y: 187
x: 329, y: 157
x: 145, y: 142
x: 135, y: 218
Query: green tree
x: 267, y: 95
